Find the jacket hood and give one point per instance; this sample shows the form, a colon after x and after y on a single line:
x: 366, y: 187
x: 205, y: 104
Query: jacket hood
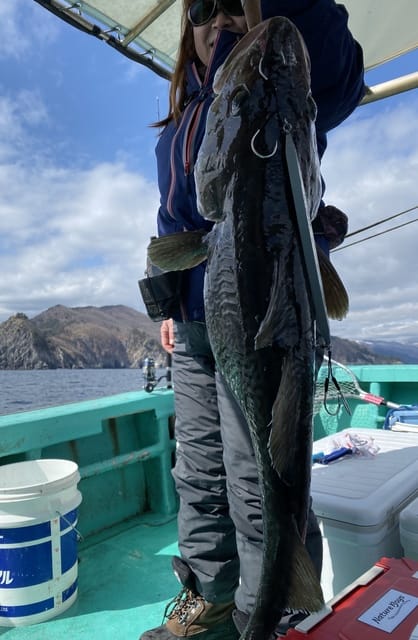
x: 225, y: 42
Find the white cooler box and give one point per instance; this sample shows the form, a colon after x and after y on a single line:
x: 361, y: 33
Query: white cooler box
x: 408, y: 528
x: 358, y: 500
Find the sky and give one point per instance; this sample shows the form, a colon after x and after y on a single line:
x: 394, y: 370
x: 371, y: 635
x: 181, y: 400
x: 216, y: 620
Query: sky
x: 78, y: 184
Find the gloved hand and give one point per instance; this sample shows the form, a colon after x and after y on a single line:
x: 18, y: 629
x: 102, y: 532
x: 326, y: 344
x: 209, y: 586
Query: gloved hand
x: 331, y: 225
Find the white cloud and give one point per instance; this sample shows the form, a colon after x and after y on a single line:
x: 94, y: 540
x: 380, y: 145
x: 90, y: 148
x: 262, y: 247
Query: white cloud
x: 68, y: 234
x: 19, y: 114
x: 23, y: 28
x: 74, y: 237
x: 370, y: 169
x: 77, y: 235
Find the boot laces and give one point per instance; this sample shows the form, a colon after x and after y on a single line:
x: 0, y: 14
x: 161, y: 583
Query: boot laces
x: 180, y: 606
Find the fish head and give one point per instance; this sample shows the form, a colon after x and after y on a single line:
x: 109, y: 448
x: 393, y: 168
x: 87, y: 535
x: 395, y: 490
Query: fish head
x: 261, y: 91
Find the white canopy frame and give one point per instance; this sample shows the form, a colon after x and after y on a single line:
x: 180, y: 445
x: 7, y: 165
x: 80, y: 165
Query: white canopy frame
x: 147, y: 31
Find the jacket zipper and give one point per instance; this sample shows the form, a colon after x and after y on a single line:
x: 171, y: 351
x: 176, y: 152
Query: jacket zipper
x: 173, y: 165
x: 196, y: 117
x: 189, y: 138
x: 192, y: 126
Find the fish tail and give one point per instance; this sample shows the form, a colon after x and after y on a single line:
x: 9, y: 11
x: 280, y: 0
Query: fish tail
x: 336, y: 297
x: 304, y: 589
x: 178, y: 251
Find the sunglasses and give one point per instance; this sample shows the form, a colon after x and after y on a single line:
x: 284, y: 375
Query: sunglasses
x: 201, y: 11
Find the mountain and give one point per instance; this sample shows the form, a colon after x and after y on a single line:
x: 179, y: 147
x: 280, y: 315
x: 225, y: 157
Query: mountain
x: 23, y: 346
x: 82, y: 337
x: 406, y: 352
x: 121, y: 337
x: 354, y: 352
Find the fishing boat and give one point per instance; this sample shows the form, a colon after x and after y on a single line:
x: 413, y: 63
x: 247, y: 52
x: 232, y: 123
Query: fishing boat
x: 121, y: 521
x: 126, y: 529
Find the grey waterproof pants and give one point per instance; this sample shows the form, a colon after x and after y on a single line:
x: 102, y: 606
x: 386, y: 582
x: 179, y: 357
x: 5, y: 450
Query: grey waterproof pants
x: 219, y: 519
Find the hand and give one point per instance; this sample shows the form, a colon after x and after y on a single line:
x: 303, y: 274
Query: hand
x: 167, y: 335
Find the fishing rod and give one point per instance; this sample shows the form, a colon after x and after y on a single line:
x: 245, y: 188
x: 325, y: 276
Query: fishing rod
x: 375, y: 224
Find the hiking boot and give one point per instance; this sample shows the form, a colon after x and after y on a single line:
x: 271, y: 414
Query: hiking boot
x: 189, y: 614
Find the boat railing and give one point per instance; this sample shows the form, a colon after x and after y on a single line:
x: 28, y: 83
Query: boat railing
x: 123, y: 445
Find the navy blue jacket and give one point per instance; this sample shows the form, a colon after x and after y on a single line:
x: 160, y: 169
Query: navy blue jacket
x: 337, y: 87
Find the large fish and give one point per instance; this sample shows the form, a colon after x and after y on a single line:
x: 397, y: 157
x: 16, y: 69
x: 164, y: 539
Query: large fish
x: 257, y: 301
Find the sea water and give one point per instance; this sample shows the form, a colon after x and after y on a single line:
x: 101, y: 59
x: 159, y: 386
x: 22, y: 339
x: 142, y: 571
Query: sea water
x: 36, y: 389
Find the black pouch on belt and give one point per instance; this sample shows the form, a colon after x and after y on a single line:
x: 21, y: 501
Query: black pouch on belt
x: 161, y: 294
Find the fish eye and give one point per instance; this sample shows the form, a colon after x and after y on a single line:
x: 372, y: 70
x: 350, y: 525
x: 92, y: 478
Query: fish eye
x: 237, y: 99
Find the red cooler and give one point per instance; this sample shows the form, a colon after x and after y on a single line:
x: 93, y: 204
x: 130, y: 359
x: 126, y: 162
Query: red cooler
x: 380, y: 605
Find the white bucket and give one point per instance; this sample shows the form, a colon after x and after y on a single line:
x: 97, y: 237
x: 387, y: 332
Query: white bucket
x: 38, y: 540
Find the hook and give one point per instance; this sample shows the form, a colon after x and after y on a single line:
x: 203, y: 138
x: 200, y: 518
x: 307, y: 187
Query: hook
x: 260, y: 155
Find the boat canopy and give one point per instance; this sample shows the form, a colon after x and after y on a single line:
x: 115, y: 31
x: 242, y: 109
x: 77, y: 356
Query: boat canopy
x: 148, y: 31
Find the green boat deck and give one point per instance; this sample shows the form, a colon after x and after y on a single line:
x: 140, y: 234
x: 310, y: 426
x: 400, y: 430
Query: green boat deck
x: 124, y: 447
x: 125, y: 581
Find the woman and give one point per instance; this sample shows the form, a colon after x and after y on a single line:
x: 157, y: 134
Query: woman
x: 219, y: 519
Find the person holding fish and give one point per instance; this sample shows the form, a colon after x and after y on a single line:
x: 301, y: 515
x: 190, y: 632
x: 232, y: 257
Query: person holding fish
x: 220, y: 519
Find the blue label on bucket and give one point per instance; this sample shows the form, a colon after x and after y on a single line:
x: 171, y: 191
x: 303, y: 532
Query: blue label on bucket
x: 36, y: 531
x: 25, y: 534
x: 23, y: 610
x: 24, y: 562
x: 25, y: 566
x: 69, y: 592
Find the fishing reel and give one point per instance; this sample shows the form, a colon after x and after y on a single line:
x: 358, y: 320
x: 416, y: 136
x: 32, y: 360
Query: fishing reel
x: 148, y: 372
x: 150, y: 378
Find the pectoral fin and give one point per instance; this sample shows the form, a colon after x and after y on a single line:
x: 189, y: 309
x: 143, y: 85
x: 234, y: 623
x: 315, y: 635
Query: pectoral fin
x: 178, y: 251
x: 336, y: 297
